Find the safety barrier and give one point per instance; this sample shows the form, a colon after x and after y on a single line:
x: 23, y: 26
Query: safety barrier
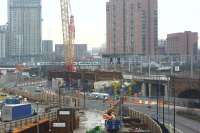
x: 170, y: 127
x: 45, y: 97
x: 143, y: 100
x: 146, y: 120
x: 6, y: 126
x: 31, y: 83
x: 149, y: 123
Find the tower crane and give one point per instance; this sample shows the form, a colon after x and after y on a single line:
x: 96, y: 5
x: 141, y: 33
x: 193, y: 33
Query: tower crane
x: 68, y: 30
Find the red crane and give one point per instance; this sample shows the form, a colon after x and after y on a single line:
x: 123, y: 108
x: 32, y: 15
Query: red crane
x: 68, y: 29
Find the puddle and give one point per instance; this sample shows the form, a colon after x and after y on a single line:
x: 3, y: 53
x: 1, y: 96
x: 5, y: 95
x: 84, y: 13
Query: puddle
x: 89, y: 120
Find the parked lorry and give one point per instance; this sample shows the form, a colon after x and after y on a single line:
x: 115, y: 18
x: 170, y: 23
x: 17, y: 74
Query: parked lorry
x: 12, y: 112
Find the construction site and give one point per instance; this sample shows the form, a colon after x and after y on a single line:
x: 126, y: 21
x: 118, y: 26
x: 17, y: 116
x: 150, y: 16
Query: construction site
x: 67, y: 112
x: 118, y: 93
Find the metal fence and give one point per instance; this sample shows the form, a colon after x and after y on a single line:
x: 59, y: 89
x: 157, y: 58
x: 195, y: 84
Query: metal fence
x: 45, y: 97
x: 153, y: 126
x: 154, y: 65
x: 6, y: 126
x: 180, y: 65
x: 42, y: 98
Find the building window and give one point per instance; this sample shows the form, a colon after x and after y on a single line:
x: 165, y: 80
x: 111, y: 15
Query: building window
x: 139, y: 5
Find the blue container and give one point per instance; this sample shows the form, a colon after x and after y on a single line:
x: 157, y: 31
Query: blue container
x: 113, y: 125
x: 12, y: 112
x: 11, y: 101
x: 22, y: 111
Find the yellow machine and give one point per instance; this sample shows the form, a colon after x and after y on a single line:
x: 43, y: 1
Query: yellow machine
x: 2, y: 96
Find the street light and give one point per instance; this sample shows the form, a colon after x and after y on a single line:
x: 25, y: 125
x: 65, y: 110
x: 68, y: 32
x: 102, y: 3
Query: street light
x: 38, y: 121
x: 60, y: 84
x: 37, y: 103
x: 174, y: 93
x: 121, y: 97
x: 84, y: 85
x: 157, y: 97
x: 104, y: 86
x: 149, y: 65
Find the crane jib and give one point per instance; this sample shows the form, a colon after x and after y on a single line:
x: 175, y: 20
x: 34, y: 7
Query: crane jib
x: 68, y: 29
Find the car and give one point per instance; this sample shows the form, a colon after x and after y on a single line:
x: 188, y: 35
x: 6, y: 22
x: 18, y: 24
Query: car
x: 33, y: 75
x: 40, y: 85
x: 97, y: 95
x: 38, y: 90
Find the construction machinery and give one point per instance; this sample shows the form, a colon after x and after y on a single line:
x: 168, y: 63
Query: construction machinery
x: 68, y: 29
x: 21, y: 68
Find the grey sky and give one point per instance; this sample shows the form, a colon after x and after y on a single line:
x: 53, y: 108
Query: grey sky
x: 174, y: 16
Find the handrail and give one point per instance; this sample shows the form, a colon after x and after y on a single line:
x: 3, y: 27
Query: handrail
x: 44, y: 97
x: 152, y: 125
x: 6, y: 126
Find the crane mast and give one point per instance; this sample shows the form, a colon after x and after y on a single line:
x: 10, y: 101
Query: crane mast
x: 68, y: 30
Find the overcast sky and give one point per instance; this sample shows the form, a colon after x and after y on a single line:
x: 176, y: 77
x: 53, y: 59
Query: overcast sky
x: 90, y: 18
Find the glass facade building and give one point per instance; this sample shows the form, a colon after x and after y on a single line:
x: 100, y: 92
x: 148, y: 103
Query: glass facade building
x: 3, y: 41
x: 24, y: 27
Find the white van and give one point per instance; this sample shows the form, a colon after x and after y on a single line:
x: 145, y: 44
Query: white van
x: 98, y: 95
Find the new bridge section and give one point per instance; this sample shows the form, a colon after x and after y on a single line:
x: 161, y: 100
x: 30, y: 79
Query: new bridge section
x: 86, y: 75
x: 184, y: 87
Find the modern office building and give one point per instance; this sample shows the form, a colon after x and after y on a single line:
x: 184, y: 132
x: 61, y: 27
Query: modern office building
x: 161, y: 49
x: 80, y: 51
x: 59, y: 50
x: 47, y: 46
x: 24, y: 27
x: 131, y: 26
x: 3, y: 40
x: 183, y: 43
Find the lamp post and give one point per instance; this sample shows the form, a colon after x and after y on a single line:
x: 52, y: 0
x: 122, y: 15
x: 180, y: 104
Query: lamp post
x: 172, y: 94
x: 38, y: 121
x: 174, y: 101
x: 157, y: 98
x: 84, y: 85
x: 168, y: 99
x: 104, y: 86
x: 37, y: 103
x: 84, y: 98
x: 121, y: 98
x: 60, y: 84
x: 164, y: 108
x: 149, y: 66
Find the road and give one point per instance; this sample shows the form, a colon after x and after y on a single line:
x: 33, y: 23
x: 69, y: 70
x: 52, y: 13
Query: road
x: 182, y: 124
x: 89, y: 120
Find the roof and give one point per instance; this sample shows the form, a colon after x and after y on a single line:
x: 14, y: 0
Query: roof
x: 15, y: 105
